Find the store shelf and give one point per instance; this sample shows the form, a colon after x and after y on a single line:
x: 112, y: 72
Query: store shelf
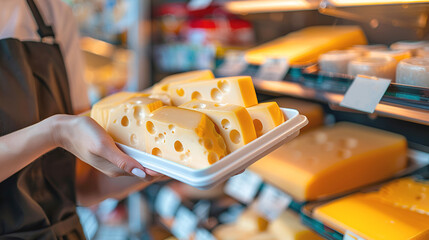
x: 398, y: 110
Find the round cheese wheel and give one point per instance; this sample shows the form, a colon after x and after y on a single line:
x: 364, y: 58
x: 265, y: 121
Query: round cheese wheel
x: 382, y: 67
x: 424, y: 52
x: 412, y: 46
x: 413, y: 71
x: 396, y: 54
x: 337, y: 61
x: 364, y: 49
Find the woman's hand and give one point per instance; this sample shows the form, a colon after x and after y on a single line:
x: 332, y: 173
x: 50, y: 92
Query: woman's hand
x: 88, y: 141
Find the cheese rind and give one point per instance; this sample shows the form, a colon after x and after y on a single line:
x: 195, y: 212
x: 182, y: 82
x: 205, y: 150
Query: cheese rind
x: 288, y: 226
x: 162, y: 86
x: 305, y: 46
x: 184, y: 136
x: 233, y: 121
x: 125, y: 121
x: 265, y: 116
x: 101, y: 110
x: 386, y: 214
x: 333, y: 160
x: 413, y: 71
x: 232, y: 90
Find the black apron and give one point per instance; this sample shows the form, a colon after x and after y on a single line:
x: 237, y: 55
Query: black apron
x: 39, y: 201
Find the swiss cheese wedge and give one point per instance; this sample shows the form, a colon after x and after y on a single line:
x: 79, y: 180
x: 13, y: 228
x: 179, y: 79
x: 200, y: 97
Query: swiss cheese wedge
x: 233, y: 121
x: 265, y: 116
x: 184, y: 136
x: 162, y: 86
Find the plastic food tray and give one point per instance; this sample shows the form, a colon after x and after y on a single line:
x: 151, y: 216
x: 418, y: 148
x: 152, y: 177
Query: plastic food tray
x: 230, y: 164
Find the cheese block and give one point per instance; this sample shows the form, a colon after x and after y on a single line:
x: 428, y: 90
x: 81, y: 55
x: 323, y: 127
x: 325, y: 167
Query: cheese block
x: 337, y: 61
x: 125, y: 121
x: 332, y: 160
x: 363, y: 50
x: 381, y: 215
x: 407, y: 193
x: 398, y: 55
x: 184, y: 136
x: 266, y: 116
x: 164, y: 97
x: 162, y: 86
x: 233, y: 90
x: 288, y: 226
x: 382, y: 67
x: 101, y: 110
x: 412, y: 46
x: 413, y: 71
x: 305, y: 46
x: 313, y: 111
x: 233, y: 122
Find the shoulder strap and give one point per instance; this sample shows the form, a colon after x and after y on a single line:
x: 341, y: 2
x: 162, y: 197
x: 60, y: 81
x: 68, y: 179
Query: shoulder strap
x: 44, y: 30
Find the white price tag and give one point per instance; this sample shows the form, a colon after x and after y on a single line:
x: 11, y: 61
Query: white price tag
x: 184, y: 223
x: 203, y: 234
x: 243, y: 187
x: 365, y: 93
x: 271, y: 202
x: 273, y: 69
x: 351, y: 236
x: 234, y: 64
x: 167, y: 202
x: 198, y: 4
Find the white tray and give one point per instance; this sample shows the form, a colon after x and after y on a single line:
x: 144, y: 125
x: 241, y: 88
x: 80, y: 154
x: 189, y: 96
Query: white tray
x: 230, y: 164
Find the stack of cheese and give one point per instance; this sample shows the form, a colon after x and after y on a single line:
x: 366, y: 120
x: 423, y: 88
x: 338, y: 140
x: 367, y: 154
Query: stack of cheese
x: 209, y: 117
x: 251, y: 226
x: 333, y: 160
x: 398, y: 211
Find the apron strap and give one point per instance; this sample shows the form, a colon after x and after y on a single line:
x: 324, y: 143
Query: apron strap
x: 44, y: 30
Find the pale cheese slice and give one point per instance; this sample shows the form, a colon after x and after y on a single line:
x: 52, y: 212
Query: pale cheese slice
x: 101, y: 110
x: 233, y: 90
x: 162, y: 86
x: 184, y: 136
x: 265, y: 116
x: 125, y: 121
x: 288, y: 226
x: 233, y: 122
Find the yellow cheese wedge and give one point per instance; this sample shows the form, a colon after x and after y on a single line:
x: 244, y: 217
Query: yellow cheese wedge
x: 162, y: 86
x: 125, y: 121
x: 101, y: 110
x: 165, y: 98
x: 266, y: 116
x: 333, y: 160
x: 288, y: 226
x: 184, y: 136
x: 408, y: 194
x: 305, y: 46
x: 413, y: 71
x: 313, y: 111
x: 233, y: 122
x: 371, y: 217
x: 233, y: 90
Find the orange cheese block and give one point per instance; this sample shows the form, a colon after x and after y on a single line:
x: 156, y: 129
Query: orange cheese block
x: 386, y: 214
x: 333, y: 160
x: 305, y: 46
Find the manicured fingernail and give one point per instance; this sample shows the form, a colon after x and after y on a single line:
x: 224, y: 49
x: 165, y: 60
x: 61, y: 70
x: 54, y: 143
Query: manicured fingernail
x: 138, y: 172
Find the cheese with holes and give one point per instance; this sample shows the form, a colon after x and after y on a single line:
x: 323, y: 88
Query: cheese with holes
x: 165, y: 98
x: 337, y: 61
x: 100, y: 112
x: 233, y: 122
x: 413, y: 47
x: 288, y: 226
x: 305, y: 46
x: 313, y: 111
x: 233, y: 90
x: 397, y: 212
x: 162, y: 86
x: 413, y: 71
x: 184, y: 136
x: 125, y: 121
x: 266, y: 116
x: 382, y: 67
x: 333, y: 160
